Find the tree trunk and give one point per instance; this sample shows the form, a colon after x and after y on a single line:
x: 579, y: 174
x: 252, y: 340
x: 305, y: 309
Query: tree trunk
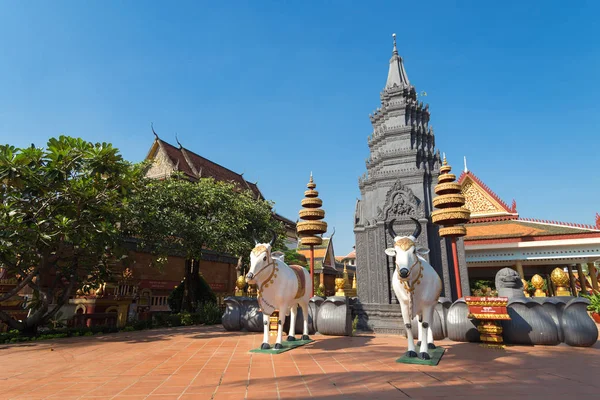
x: 191, y: 284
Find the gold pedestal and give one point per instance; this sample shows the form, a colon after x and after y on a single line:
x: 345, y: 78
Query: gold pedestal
x: 490, y: 333
x: 273, y: 323
x: 539, y: 293
x: 562, y: 291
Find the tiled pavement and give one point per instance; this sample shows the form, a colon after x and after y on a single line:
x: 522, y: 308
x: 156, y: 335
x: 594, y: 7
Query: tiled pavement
x: 209, y: 363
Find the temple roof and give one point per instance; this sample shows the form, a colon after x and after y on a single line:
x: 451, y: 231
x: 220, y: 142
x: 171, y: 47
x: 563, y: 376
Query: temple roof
x: 397, y: 74
x: 493, y: 220
x: 527, y: 230
x: 196, y: 166
x: 320, y: 250
x: 482, y: 201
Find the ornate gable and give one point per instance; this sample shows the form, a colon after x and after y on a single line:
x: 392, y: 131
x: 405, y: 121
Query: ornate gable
x: 481, y: 201
x: 400, y: 201
x: 162, y: 165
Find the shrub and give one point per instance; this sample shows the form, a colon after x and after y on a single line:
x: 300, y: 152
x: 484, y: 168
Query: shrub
x: 209, y: 313
x: 128, y: 328
x: 141, y: 325
x: 203, y: 291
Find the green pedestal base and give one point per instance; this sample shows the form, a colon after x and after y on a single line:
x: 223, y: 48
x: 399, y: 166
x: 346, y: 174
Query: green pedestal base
x: 436, y: 356
x: 286, y: 346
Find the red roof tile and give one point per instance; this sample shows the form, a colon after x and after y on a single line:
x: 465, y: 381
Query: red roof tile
x: 205, y: 167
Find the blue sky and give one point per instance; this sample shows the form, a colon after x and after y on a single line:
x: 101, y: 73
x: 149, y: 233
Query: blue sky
x: 279, y: 89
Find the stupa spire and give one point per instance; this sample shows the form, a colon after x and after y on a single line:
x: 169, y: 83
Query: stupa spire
x: 396, y: 75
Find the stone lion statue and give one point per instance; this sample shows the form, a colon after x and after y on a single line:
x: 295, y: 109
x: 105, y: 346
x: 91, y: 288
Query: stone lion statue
x: 509, y: 284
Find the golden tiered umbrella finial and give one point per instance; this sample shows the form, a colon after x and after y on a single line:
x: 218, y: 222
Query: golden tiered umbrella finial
x: 311, y: 226
x: 451, y: 213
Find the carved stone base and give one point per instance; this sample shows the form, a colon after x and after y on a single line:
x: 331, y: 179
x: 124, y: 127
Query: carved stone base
x: 379, y: 318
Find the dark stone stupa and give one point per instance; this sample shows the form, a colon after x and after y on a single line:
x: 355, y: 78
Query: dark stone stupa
x: 402, y: 171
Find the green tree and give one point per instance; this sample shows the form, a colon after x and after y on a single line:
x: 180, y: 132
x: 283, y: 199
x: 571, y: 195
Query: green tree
x: 292, y: 257
x: 178, y: 216
x: 60, y: 215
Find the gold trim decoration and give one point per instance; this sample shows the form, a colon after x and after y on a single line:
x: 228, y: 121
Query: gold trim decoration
x: 450, y: 216
x: 259, y: 249
x: 311, y: 227
x: 310, y: 214
x: 452, y: 200
x: 404, y: 243
x: 311, y: 240
x: 443, y: 178
x: 444, y: 188
x: 489, y: 316
x: 457, y: 231
x: 311, y: 202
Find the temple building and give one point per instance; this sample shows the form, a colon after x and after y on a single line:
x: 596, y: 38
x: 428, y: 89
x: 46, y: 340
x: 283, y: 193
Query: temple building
x: 327, y: 265
x: 167, y: 159
x: 498, y: 237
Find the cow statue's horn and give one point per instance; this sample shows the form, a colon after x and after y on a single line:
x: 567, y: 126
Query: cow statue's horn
x: 254, y: 237
x: 274, y: 237
x: 417, y: 231
x: 390, y: 228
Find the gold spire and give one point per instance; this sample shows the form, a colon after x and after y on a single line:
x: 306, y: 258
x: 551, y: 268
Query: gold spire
x: 311, y: 214
x: 451, y: 213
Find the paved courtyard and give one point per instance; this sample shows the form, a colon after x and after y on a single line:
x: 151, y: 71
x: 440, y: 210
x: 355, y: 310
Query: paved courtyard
x: 209, y: 363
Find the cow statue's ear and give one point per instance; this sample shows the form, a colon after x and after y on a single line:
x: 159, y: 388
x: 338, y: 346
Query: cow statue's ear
x: 422, y: 251
x: 390, y: 252
x: 278, y: 255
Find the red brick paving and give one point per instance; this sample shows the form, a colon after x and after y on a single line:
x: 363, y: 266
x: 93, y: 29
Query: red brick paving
x: 209, y: 363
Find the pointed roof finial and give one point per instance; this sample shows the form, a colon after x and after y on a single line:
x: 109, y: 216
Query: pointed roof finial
x: 311, y: 177
x: 396, y: 74
x: 466, y: 169
x: 177, y: 140
x: 152, y: 126
x: 445, y: 162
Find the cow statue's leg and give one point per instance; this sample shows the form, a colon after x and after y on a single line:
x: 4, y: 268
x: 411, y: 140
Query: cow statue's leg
x: 411, y: 340
x: 281, y: 314
x: 305, y: 318
x: 265, y: 345
x: 419, y: 329
x: 292, y: 333
x: 424, y: 328
x: 430, y: 311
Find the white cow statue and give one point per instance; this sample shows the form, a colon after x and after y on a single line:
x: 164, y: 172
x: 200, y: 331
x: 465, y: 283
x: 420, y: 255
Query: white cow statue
x: 280, y: 287
x: 417, y: 287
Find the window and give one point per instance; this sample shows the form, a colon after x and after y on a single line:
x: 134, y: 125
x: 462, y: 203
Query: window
x: 159, y: 301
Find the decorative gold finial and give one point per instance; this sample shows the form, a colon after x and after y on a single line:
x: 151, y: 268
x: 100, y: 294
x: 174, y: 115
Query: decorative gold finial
x: 311, y: 214
x: 449, y: 202
x: 538, y: 283
x: 561, y: 280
